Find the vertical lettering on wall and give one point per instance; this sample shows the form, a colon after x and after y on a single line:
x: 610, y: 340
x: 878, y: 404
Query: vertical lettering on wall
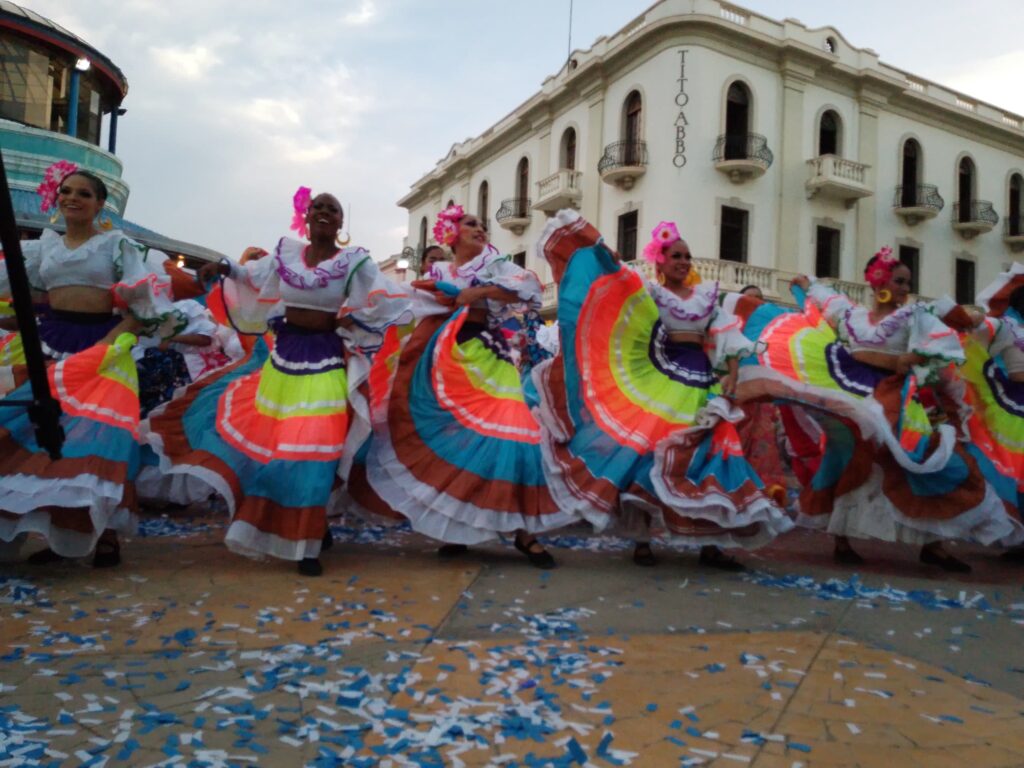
x: 682, y: 100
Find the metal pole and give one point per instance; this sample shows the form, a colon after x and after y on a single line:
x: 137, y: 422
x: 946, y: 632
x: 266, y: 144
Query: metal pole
x: 112, y: 137
x: 44, y: 411
x: 73, y: 103
x: 568, y: 50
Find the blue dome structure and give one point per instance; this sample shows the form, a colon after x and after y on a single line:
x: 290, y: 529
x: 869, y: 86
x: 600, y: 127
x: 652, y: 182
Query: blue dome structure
x: 55, y: 90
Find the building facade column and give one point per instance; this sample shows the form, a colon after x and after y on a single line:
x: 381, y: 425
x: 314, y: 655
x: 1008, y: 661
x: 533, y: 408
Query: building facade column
x: 868, y: 105
x: 792, y: 170
x: 590, y: 205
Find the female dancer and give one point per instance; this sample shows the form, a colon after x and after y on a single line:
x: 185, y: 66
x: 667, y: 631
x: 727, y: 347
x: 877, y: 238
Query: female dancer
x: 80, y: 501
x: 761, y: 433
x: 457, y: 451
x: 268, y: 432
x: 994, y: 375
x: 431, y: 255
x: 635, y: 409
x: 884, y: 471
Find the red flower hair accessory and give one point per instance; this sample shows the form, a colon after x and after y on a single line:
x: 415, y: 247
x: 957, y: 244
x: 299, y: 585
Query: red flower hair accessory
x: 300, y: 204
x: 53, y: 177
x: 880, y: 268
x: 662, y: 235
x: 446, y: 229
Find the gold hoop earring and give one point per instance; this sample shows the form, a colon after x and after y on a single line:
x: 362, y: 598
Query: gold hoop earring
x: 661, y: 278
x: 55, y: 216
x: 342, y: 243
x: 884, y: 296
x: 105, y: 223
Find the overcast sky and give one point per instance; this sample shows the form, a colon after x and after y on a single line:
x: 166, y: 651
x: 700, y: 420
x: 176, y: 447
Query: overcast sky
x: 232, y: 105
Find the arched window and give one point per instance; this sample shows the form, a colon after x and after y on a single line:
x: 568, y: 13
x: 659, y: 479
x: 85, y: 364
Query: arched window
x: 632, y: 127
x: 483, y: 201
x: 910, y: 177
x: 568, y: 151
x: 423, y: 234
x: 1015, y: 224
x: 523, y: 188
x: 965, y: 189
x: 828, y: 134
x: 737, y: 121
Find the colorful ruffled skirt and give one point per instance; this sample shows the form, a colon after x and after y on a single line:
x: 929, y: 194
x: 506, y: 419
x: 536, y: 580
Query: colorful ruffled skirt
x: 458, y: 453
x: 884, y: 471
x: 995, y: 424
x: 633, y: 424
x: 72, y: 500
x: 61, y: 334
x: 267, y: 434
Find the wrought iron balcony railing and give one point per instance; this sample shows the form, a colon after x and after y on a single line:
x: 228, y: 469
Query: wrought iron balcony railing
x: 623, y: 154
x: 742, y: 146
x: 918, y: 196
x: 978, y: 211
x: 513, y: 208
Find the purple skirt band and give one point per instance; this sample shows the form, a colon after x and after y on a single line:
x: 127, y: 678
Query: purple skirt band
x: 301, y: 351
x: 64, y: 333
x: 852, y: 375
x: 684, y: 362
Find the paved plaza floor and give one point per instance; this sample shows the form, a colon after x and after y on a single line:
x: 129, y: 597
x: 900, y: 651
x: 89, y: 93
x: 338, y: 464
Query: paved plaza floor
x: 190, y: 655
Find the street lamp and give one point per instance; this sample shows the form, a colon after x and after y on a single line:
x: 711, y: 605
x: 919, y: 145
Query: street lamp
x: 83, y: 64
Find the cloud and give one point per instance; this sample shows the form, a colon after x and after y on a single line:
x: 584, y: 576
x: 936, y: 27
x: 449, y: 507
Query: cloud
x: 364, y: 15
x: 186, y: 63
x: 271, y: 111
x: 996, y: 80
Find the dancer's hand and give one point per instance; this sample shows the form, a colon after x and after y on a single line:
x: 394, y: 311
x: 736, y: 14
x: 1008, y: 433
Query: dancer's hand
x: 907, y: 361
x: 252, y: 253
x: 801, y: 281
x: 212, y: 270
x: 469, y: 295
x: 728, y: 384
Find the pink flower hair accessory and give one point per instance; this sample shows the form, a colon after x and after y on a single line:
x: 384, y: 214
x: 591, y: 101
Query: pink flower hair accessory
x: 662, y: 235
x: 446, y: 229
x: 880, y: 268
x: 53, y: 177
x: 300, y: 204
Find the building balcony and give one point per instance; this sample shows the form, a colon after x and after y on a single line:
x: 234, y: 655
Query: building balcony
x: 29, y: 151
x: 976, y: 219
x: 734, y: 276
x: 833, y: 177
x: 742, y: 157
x: 623, y: 163
x: 514, y: 214
x: 1013, y: 233
x: 917, y: 203
x: 559, y: 190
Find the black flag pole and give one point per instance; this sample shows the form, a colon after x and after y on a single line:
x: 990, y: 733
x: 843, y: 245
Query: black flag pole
x: 43, y: 410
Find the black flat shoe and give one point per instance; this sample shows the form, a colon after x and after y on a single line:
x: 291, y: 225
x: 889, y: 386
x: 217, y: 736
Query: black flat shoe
x: 713, y: 557
x: 847, y: 556
x: 107, y: 554
x: 945, y: 561
x: 1014, y: 555
x: 310, y: 566
x: 542, y: 559
x: 643, y: 556
x: 450, y: 551
x: 327, y: 541
x: 45, y: 557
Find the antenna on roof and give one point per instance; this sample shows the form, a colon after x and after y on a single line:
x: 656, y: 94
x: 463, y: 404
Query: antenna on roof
x: 568, y: 51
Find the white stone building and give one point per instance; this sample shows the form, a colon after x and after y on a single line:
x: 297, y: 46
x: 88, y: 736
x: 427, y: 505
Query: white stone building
x: 777, y: 149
